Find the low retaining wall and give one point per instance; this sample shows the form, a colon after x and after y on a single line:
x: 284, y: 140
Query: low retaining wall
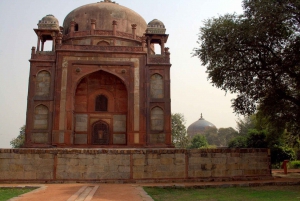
x: 133, y: 165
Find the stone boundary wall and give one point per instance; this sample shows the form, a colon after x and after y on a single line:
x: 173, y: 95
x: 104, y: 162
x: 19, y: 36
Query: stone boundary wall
x: 133, y: 165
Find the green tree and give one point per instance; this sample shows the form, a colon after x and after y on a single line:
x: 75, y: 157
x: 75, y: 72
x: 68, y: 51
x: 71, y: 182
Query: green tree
x: 211, y: 135
x: 256, y: 55
x: 219, y: 137
x: 281, y: 153
x: 19, y: 141
x: 238, y: 142
x: 198, y: 141
x: 179, y: 134
x: 243, y: 125
x: 225, y: 135
x: 261, y: 133
x: 256, y: 139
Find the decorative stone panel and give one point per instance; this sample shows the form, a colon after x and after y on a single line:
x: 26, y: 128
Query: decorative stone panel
x: 157, y: 119
x: 40, y: 117
x: 157, y: 138
x: 81, y: 121
x: 119, y: 139
x: 42, y: 87
x: 119, y: 123
x: 80, y: 138
x: 39, y: 138
x: 156, y: 86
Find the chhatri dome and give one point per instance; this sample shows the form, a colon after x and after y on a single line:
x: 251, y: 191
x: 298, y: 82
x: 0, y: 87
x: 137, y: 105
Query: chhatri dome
x: 48, y: 22
x: 199, y: 126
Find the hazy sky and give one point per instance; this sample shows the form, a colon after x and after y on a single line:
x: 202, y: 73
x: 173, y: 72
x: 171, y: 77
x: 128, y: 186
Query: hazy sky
x: 191, y: 92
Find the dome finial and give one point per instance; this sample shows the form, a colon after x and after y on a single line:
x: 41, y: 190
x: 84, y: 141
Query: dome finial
x: 201, y: 117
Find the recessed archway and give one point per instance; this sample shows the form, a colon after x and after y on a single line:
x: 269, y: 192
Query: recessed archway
x: 100, y: 97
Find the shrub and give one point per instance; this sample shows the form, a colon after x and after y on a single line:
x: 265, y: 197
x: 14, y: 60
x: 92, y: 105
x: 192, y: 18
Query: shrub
x: 294, y: 164
x: 280, y: 153
x: 198, y: 141
x: 238, y: 142
x: 256, y: 139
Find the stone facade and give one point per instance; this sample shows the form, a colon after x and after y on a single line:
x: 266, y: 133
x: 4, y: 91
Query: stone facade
x: 98, y: 85
x: 133, y: 165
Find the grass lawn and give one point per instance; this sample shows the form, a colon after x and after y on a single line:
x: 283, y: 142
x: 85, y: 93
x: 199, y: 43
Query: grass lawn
x: 262, y: 193
x: 7, y: 193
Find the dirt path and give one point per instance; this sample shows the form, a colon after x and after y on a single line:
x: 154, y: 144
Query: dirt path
x: 72, y: 192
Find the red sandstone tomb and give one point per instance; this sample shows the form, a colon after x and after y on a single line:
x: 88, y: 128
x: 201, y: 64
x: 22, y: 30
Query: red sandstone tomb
x: 103, y: 84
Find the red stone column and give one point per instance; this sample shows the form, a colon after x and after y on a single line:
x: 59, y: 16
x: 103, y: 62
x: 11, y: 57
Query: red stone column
x: 162, y: 46
x: 72, y: 27
x: 39, y: 41
x: 93, y: 26
x: 148, y: 45
x: 144, y: 38
x: 59, y: 38
x: 53, y: 40
x: 32, y: 51
x: 114, y: 27
x: 43, y: 42
x: 133, y: 30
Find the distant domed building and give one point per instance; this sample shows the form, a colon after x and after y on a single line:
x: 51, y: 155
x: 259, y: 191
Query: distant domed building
x: 198, y: 127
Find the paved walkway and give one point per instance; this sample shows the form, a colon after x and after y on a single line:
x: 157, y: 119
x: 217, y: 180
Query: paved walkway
x: 132, y: 192
x: 83, y: 192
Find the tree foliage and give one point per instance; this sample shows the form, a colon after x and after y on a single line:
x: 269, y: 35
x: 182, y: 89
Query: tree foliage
x: 219, y: 137
x: 179, y: 135
x: 211, y: 135
x: 261, y: 133
x: 243, y: 125
x: 281, y: 153
x: 257, y: 138
x: 19, y: 141
x: 198, y: 141
x: 225, y: 135
x: 256, y: 55
x: 238, y: 142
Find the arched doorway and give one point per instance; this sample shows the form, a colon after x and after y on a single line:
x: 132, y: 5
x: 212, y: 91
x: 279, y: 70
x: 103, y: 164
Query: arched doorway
x: 100, y: 110
x: 100, y: 133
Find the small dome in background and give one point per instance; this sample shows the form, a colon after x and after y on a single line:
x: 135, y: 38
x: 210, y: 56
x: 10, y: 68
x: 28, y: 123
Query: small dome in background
x: 199, y: 126
x: 48, y: 22
x: 156, y: 27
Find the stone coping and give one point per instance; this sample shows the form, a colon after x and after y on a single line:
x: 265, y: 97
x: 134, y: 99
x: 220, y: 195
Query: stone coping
x: 225, y: 184
x: 127, y: 150
x: 146, y: 181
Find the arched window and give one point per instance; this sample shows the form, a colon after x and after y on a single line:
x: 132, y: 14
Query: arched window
x: 42, y: 87
x: 76, y: 27
x: 157, y: 119
x: 101, y: 103
x: 40, y: 120
x: 156, y: 86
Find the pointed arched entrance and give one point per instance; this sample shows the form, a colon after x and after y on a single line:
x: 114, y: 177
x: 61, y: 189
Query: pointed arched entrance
x: 100, y: 133
x: 100, y: 110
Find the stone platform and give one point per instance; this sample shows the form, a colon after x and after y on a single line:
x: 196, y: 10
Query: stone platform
x: 133, y: 165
